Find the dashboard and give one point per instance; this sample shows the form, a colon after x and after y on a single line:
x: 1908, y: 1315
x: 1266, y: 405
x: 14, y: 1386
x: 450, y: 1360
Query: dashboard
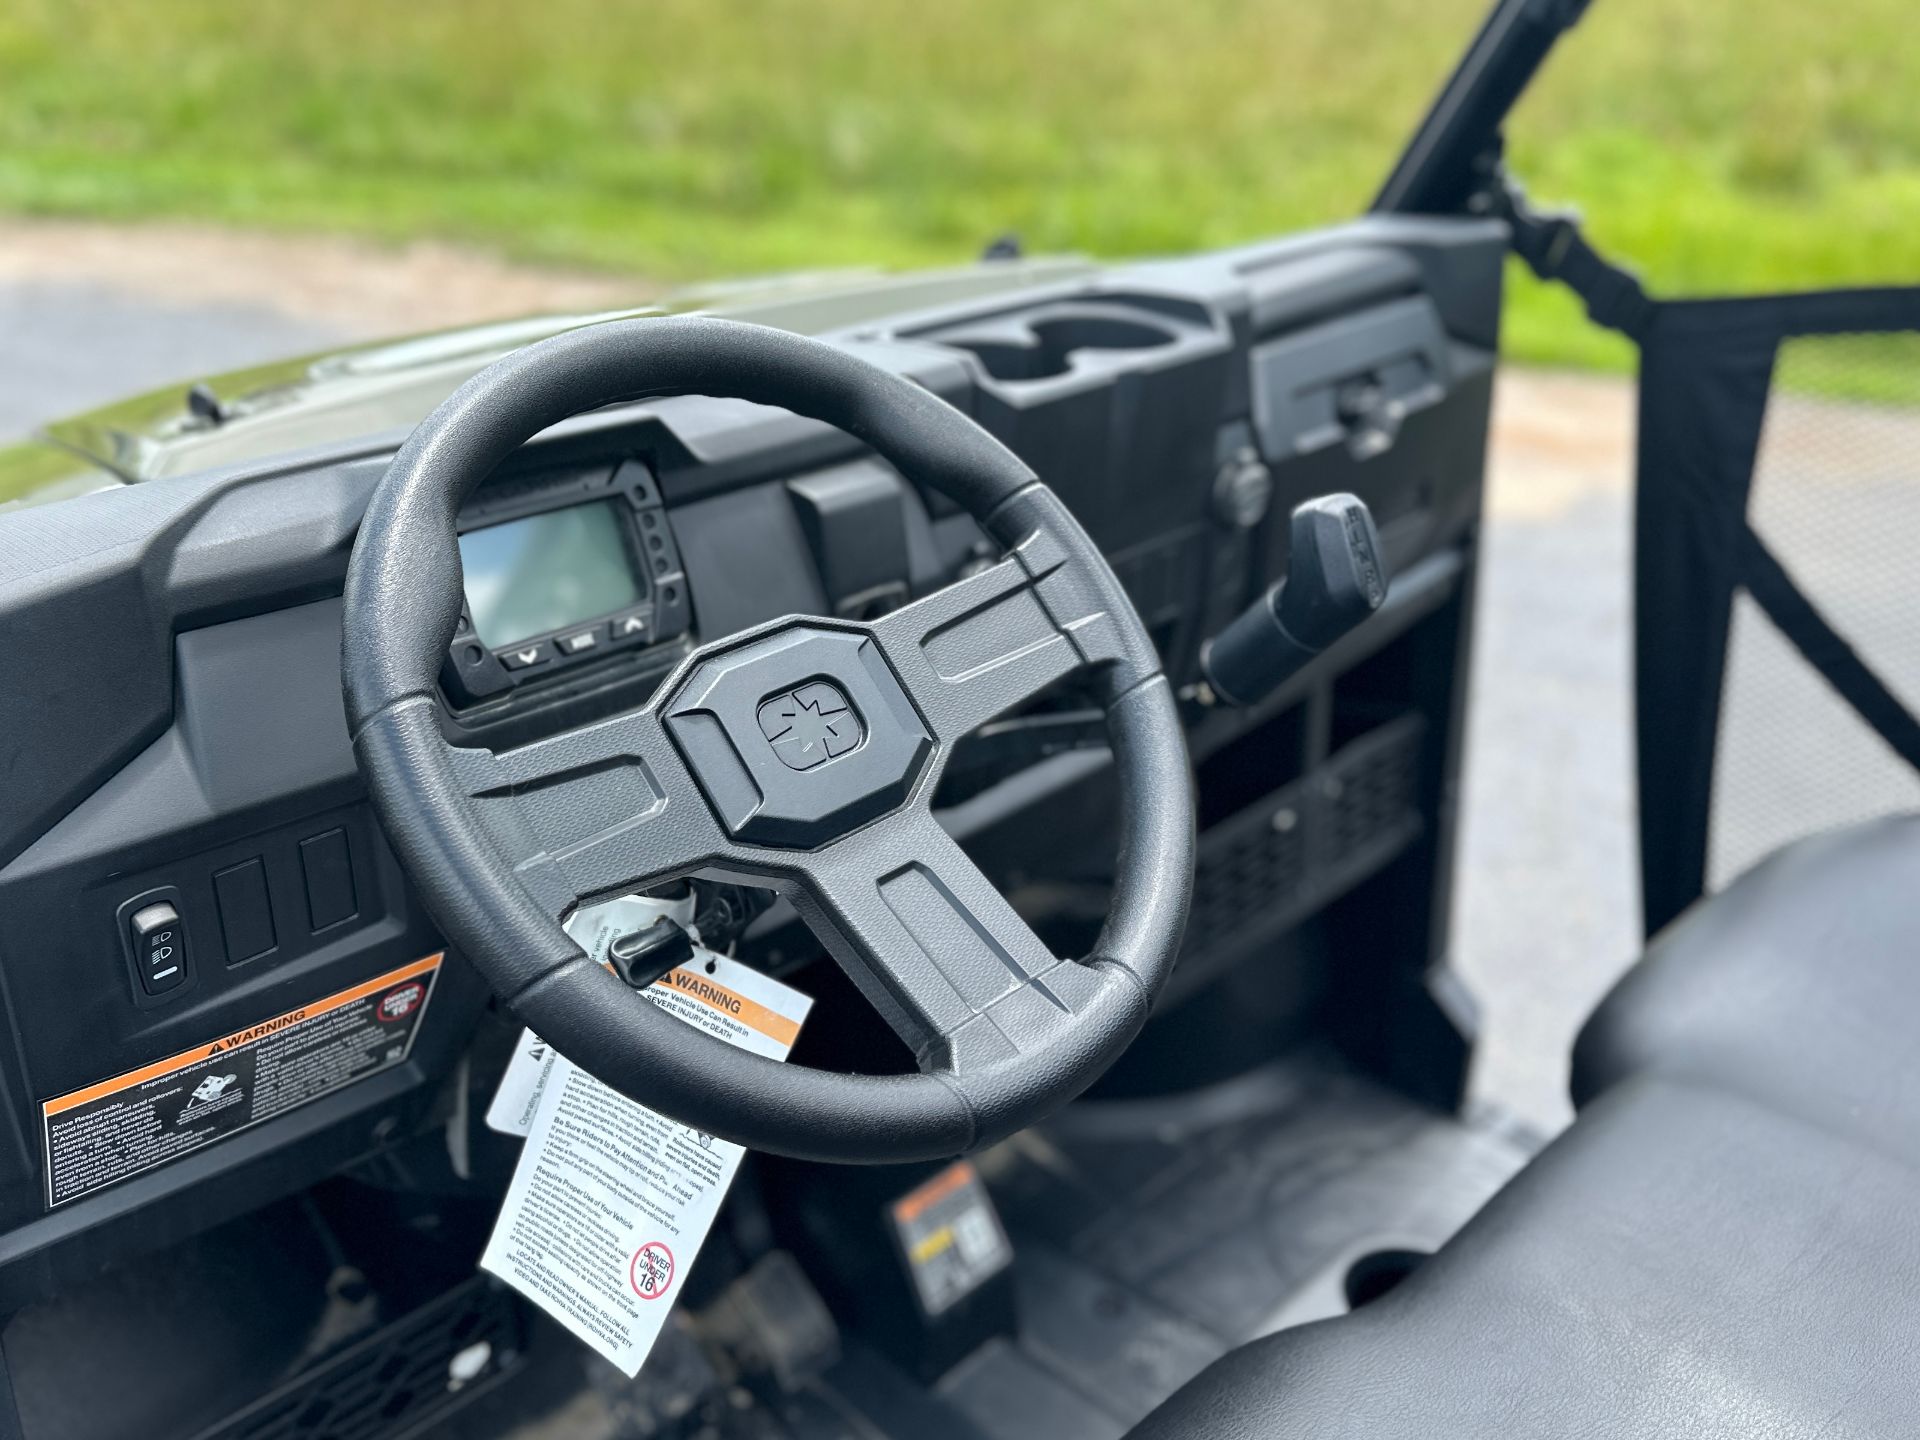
x: 179, y: 772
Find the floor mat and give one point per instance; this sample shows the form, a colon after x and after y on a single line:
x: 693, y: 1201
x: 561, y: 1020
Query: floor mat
x: 1151, y: 1237
x: 1155, y: 1235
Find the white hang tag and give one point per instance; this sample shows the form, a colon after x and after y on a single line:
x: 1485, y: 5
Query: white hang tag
x: 594, y: 928
x: 611, y: 1201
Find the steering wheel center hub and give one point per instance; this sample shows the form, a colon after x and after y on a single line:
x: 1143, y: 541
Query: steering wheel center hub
x: 798, y: 735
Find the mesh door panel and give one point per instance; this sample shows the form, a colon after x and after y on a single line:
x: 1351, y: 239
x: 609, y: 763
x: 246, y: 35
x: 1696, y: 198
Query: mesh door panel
x: 1777, y: 632
x: 1792, y: 757
x: 1836, y: 491
x: 1836, y: 498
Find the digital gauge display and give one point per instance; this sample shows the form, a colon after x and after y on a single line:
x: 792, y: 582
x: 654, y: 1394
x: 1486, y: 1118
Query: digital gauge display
x: 527, y: 577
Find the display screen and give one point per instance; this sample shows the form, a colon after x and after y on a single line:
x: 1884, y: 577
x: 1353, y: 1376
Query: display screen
x: 529, y: 576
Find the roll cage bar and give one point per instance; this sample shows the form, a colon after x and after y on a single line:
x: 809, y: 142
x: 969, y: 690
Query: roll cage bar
x: 1455, y: 165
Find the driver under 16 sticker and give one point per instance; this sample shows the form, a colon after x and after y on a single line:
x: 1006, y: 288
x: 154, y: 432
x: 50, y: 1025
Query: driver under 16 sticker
x: 651, y: 1271
x: 400, y: 1002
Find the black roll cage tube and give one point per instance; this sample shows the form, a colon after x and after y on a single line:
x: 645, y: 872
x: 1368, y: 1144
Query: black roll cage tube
x: 1454, y: 163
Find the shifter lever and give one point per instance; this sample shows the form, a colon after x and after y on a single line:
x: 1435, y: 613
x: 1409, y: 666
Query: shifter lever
x: 1335, y: 579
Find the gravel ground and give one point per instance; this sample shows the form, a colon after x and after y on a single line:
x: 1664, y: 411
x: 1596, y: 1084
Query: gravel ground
x: 1547, y: 911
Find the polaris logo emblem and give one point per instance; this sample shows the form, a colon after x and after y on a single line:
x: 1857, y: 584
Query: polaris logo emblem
x: 809, y: 725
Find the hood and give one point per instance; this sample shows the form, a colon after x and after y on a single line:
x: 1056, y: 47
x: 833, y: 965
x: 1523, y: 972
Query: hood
x: 366, y: 390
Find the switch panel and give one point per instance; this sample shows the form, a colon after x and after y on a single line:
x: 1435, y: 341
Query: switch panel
x: 159, y: 947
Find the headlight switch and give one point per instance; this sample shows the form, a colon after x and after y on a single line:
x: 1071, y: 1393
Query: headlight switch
x: 159, y: 939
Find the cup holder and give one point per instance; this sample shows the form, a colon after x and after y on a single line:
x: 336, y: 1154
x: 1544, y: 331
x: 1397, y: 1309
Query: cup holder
x: 1041, y: 345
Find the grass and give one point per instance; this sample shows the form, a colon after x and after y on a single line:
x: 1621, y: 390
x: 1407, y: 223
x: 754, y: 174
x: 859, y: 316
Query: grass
x: 1723, y: 145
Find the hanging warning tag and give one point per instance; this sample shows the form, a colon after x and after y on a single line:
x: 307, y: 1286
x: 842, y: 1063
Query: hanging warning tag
x: 594, y: 928
x: 610, y: 1201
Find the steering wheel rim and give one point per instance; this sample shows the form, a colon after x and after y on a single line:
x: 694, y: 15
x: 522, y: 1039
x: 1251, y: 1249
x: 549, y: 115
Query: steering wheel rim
x: 501, y: 846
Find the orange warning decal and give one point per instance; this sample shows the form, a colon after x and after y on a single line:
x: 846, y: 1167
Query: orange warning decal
x: 919, y: 1200
x: 241, y: 1037
x: 689, y: 981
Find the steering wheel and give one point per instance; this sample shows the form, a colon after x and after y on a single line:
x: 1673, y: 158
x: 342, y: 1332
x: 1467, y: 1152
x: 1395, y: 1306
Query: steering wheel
x: 714, y: 776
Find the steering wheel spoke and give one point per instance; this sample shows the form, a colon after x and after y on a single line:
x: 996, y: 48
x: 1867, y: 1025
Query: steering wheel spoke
x: 593, y: 812
x: 936, y: 948
x: 974, y: 650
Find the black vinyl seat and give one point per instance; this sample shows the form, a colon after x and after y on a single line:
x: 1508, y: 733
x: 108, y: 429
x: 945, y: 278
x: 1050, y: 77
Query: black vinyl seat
x: 1798, y: 986
x: 1726, y: 1243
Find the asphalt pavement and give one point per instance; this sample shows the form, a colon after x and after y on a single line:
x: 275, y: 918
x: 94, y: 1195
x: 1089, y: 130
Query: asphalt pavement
x: 71, y: 346
x: 1547, y: 908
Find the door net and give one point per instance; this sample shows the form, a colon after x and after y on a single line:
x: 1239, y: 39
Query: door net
x: 1777, y: 627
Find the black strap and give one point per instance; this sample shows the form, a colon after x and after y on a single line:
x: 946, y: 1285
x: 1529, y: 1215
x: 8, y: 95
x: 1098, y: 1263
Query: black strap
x: 1551, y: 243
x: 1769, y: 584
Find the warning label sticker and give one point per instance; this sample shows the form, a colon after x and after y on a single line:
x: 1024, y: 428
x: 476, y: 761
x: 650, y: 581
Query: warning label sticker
x: 104, y: 1133
x: 951, y: 1236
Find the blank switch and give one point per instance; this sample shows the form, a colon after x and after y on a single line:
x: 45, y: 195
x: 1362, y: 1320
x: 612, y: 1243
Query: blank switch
x: 328, y: 865
x: 246, y: 915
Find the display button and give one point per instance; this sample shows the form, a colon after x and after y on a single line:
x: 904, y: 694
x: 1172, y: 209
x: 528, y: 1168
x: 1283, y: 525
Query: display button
x: 521, y: 657
x: 637, y: 481
x: 636, y: 626
x: 159, y: 947
x: 580, y: 642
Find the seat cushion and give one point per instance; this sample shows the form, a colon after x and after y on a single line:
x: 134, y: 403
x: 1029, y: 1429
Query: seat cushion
x: 1798, y: 985
x: 1726, y: 1243
x: 1682, y: 1263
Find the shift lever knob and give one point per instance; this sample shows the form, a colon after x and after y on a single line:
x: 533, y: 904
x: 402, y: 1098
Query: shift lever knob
x: 1335, y: 579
